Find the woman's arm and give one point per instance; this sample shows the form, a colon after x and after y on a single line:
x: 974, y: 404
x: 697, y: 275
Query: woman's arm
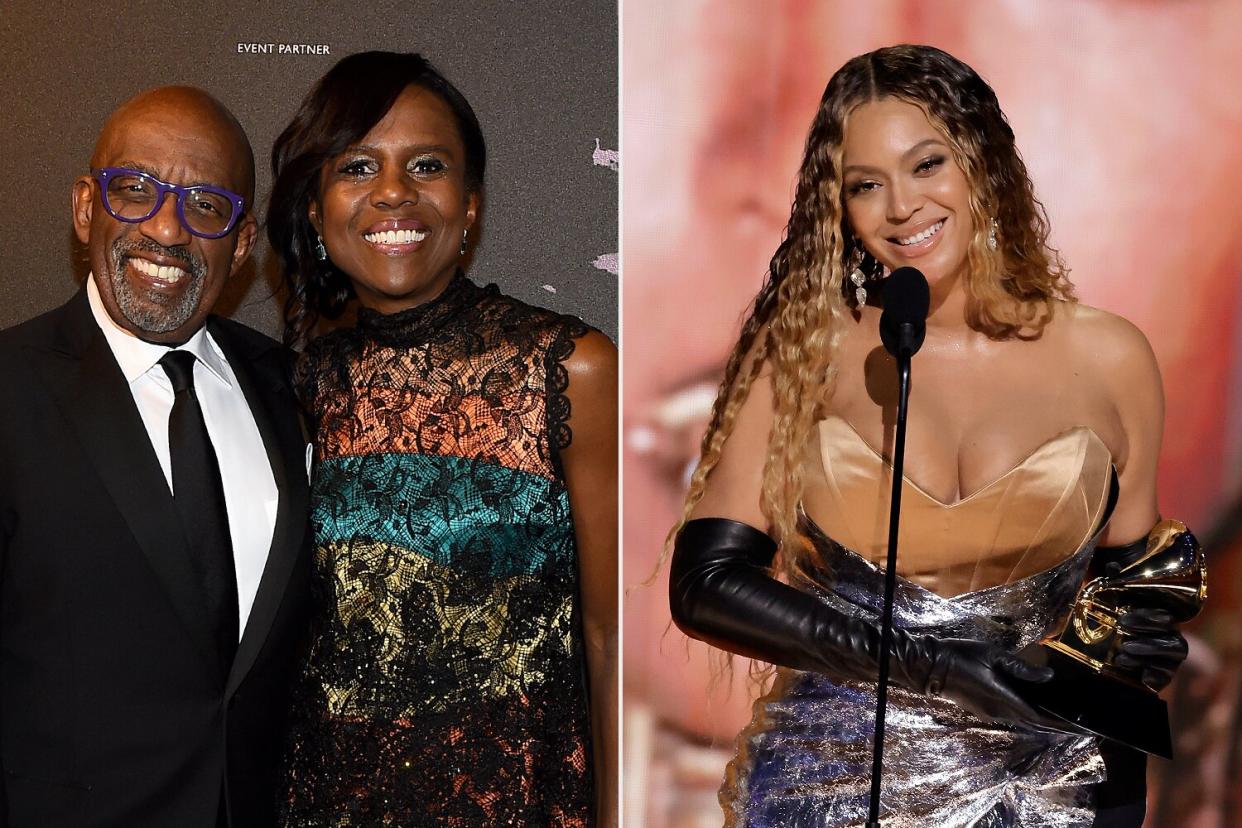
x: 1126, y: 368
x: 590, y: 464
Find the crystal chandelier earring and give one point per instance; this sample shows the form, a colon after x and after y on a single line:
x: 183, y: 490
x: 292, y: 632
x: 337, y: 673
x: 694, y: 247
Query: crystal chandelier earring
x: 858, y: 277
x: 992, y: 243
x: 321, y: 252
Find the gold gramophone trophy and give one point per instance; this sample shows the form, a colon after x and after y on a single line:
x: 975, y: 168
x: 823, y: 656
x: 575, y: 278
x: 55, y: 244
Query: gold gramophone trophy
x: 1088, y: 690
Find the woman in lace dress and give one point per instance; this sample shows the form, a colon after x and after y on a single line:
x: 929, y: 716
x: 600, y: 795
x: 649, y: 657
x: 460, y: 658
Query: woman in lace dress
x: 464, y: 506
x: 1033, y: 438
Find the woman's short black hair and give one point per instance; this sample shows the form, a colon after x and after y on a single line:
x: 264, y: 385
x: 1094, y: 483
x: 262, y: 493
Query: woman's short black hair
x: 344, y: 106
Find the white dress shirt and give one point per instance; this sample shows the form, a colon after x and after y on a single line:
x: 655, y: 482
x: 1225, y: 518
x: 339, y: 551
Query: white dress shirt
x: 250, y: 493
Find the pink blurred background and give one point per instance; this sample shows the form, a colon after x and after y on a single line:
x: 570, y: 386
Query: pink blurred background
x: 1127, y: 114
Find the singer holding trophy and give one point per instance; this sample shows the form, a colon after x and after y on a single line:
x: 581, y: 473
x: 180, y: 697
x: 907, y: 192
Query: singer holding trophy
x: 1028, y: 513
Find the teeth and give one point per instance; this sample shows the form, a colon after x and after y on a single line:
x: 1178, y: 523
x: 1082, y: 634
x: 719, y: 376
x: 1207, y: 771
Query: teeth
x: 163, y: 273
x: 926, y: 234
x: 396, y: 236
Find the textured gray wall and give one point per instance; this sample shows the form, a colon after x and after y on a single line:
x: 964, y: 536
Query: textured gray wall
x: 541, y: 74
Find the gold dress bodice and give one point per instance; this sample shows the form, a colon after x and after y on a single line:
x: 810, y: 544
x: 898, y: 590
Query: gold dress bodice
x: 1027, y: 520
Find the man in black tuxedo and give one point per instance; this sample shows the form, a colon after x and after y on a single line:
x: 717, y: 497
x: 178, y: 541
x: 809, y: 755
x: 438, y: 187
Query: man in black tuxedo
x: 153, y: 574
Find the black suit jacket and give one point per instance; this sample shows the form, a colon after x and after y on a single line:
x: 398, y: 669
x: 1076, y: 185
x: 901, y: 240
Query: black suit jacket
x: 112, y: 711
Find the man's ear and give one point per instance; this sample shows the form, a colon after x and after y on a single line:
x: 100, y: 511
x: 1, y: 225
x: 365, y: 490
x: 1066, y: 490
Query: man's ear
x: 247, y: 232
x: 82, y: 204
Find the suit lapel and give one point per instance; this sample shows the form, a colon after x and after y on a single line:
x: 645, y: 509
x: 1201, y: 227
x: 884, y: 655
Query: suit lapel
x: 95, y: 398
x: 260, y: 374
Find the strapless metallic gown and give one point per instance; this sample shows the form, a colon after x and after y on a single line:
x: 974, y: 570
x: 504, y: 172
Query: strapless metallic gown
x: 805, y: 759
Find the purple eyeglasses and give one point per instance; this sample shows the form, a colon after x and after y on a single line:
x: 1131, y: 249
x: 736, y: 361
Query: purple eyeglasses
x: 134, y: 196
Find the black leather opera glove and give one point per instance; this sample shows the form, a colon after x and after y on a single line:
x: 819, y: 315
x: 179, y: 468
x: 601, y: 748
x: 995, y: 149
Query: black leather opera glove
x: 1152, y: 644
x: 721, y: 593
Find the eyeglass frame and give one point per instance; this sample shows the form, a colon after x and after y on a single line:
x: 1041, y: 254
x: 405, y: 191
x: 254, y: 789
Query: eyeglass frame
x: 162, y: 188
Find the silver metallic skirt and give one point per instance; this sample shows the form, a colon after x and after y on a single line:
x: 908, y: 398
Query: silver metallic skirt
x: 805, y: 759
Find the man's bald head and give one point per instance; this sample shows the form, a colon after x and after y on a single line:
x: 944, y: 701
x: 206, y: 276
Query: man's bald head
x: 188, y: 109
x: 156, y: 279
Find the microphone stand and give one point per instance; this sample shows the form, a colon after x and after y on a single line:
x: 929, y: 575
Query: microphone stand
x: 890, y: 574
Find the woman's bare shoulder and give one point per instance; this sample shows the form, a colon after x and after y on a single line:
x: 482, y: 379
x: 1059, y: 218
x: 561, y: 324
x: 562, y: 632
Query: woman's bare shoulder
x: 1106, y: 342
x: 1115, y: 358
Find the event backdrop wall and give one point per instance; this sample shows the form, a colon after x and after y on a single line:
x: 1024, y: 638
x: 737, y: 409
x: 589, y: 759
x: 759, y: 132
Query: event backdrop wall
x: 542, y: 76
x: 1128, y: 120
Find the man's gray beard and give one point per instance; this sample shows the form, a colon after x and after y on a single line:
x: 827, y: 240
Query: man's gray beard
x: 153, y: 313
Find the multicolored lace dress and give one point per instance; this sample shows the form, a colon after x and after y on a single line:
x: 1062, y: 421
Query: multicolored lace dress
x: 446, y: 680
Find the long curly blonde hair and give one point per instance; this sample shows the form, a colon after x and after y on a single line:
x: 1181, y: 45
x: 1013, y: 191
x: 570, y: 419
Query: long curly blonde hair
x: 794, y: 324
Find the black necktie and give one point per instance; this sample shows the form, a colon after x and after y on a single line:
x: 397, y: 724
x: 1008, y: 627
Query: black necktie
x: 199, y: 497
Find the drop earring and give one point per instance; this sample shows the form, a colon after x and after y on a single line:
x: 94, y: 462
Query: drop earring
x: 321, y: 252
x: 465, y: 234
x: 859, y: 279
x: 992, y: 243
x: 859, y: 276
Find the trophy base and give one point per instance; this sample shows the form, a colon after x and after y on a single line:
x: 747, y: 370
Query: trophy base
x: 1129, y: 714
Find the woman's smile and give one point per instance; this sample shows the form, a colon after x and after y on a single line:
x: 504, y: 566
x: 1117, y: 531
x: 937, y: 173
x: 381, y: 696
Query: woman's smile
x: 397, y: 237
x: 918, y: 243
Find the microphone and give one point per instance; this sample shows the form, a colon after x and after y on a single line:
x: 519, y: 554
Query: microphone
x: 903, y: 324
